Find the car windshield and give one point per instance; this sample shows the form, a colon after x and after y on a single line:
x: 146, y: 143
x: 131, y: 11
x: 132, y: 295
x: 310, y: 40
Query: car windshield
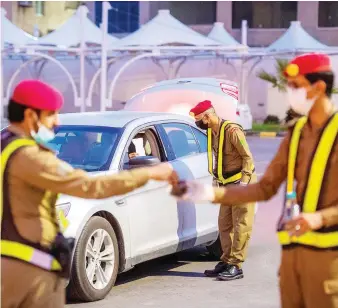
x: 86, y: 147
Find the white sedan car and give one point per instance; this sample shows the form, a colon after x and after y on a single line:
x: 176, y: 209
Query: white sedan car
x: 115, y: 234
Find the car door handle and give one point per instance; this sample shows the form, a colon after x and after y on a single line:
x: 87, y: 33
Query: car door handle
x: 120, y: 202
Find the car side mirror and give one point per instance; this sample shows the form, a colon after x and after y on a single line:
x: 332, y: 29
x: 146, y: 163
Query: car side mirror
x: 141, y: 161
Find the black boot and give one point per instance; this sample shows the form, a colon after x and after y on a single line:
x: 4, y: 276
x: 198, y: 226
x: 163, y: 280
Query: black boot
x: 231, y: 273
x: 219, y: 268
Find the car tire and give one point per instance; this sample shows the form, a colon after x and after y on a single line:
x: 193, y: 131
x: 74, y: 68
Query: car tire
x: 80, y: 288
x: 215, y: 249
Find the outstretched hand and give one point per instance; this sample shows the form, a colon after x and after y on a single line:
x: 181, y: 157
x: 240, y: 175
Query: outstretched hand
x: 163, y: 172
x: 193, y: 191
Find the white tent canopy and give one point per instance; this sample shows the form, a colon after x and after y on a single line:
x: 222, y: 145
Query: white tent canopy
x: 69, y: 33
x: 219, y: 34
x: 296, y: 39
x: 11, y: 34
x: 164, y: 29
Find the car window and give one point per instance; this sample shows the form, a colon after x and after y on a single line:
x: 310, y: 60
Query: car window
x: 87, y: 148
x: 182, y: 139
x: 202, y: 140
x: 144, y: 143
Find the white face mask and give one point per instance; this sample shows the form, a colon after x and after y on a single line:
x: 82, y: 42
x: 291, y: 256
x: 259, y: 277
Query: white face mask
x: 43, y: 136
x: 298, y: 101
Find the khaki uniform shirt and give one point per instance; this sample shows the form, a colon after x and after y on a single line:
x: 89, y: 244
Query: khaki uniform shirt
x: 33, y: 170
x: 276, y: 174
x: 237, y: 155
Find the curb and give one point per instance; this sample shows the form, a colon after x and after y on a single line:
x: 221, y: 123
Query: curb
x: 266, y: 134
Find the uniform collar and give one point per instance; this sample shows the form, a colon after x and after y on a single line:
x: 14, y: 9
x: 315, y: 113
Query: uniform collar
x: 18, y: 131
x: 219, y: 127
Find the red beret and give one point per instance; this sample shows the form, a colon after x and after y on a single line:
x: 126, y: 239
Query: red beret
x: 38, y: 95
x: 200, y: 108
x: 307, y: 64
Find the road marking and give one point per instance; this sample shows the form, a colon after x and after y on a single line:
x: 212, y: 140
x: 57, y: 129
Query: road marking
x: 267, y: 134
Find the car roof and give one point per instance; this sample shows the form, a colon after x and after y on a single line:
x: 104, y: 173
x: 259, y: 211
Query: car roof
x: 193, y: 81
x: 118, y: 118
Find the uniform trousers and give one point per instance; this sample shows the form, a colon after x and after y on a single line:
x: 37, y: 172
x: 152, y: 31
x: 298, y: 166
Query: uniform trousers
x: 308, y: 278
x: 26, y: 286
x: 235, y: 225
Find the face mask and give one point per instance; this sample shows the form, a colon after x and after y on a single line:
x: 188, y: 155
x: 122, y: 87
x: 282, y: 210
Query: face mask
x: 298, y: 101
x: 201, y: 125
x: 43, y: 136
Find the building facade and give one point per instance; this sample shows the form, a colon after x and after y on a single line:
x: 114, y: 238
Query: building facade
x: 267, y: 20
x: 41, y: 17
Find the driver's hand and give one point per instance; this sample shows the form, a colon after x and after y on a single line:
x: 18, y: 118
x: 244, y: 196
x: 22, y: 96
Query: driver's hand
x: 133, y: 155
x: 162, y: 172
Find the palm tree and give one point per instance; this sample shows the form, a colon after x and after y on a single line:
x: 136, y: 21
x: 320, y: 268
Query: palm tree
x: 279, y: 81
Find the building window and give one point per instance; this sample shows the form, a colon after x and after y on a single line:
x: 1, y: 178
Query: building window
x: 328, y: 14
x: 39, y: 8
x: 264, y: 14
x: 199, y: 12
x: 122, y: 18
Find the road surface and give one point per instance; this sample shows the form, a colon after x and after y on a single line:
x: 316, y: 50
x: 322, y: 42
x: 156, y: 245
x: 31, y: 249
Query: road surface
x: 178, y: 280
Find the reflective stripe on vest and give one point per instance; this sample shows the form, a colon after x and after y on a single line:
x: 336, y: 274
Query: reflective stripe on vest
x: 14, y: 249
x: 219, y: 175
x: 315, y: 239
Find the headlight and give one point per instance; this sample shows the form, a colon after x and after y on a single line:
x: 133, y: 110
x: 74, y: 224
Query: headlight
x: 64, y: 207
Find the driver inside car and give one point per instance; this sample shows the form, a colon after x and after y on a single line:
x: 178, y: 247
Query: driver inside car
x: 132, y: 151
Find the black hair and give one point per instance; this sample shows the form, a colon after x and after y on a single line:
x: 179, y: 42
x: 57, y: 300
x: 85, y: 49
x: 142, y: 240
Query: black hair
x: 16, y: 112
x: 327, y: 77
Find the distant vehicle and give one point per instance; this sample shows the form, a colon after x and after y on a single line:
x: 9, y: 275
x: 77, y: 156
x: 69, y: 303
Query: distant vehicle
x: 180, y: 95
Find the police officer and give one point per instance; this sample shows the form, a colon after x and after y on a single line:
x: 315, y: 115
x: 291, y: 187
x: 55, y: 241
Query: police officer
x: 32, y: 271
x: 307, y: 156
x: 233, y: 165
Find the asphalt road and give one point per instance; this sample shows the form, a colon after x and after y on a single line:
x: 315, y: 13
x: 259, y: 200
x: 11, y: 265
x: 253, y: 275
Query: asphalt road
x: 178, y: 280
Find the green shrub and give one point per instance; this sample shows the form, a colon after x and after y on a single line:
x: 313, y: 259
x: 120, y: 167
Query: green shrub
x: 271, y: 119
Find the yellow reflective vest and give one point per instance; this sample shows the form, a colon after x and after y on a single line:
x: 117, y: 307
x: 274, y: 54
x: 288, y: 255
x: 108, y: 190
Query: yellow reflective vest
x: 12, y: 245
x: 218, y: 174
x: 325, y: 237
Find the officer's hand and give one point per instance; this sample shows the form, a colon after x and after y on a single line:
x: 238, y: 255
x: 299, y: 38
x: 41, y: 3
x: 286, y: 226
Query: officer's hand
x: 162, y: 172
x: 194, y: 191
x: 304, y: 223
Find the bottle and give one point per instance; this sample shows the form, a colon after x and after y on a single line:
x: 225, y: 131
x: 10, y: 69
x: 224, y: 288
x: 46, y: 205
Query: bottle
x: 291, y: 209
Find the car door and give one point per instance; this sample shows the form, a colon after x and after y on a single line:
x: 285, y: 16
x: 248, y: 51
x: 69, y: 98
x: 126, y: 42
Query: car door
x: 187, y: 148
x: 155, y: 224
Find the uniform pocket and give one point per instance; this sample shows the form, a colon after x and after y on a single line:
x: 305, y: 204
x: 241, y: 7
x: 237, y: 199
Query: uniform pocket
x: 331, y: 287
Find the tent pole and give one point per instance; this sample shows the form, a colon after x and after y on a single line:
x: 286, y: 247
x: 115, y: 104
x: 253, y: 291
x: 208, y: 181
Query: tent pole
x: 154, y: 53
x: 104, y: 28
x: 83, y: 15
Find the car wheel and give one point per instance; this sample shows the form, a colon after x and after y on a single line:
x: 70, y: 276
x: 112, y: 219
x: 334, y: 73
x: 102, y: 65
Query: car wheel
x: 96, y: 262
x: 215, y: 249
